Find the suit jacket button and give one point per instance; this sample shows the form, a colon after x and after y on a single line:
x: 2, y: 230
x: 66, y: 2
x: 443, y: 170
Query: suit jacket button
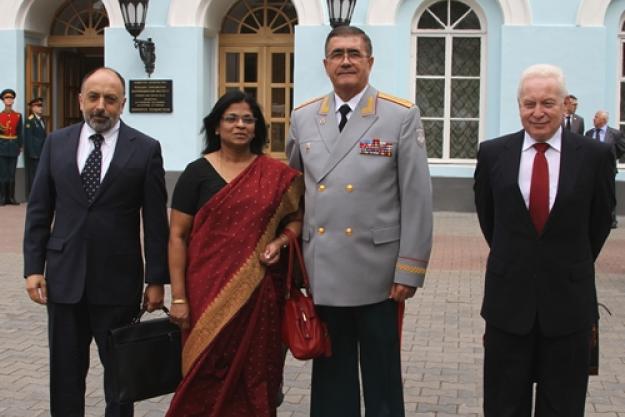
x: 349, y: 188
x: 322, y: 187
x: 321, y: 230
x: 348, y: 231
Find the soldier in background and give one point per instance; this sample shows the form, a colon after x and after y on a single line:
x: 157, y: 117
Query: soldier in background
x: 10, y: 146
x: 34, y: 135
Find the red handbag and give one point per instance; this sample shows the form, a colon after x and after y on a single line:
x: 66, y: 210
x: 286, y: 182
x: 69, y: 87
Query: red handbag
x: 303, y: 332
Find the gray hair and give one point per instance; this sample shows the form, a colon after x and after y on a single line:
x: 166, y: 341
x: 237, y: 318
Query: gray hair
x: 543, y: 71
x: 604, y: 114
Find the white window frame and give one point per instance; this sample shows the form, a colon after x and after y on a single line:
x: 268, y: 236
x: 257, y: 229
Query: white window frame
x: 620, y: 80
x: 448, y: 34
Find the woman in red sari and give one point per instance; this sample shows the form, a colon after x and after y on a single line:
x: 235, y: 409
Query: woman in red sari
x: 229, y: 208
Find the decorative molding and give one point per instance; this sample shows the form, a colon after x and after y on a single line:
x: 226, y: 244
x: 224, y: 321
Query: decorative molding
x: 592, y: 12
x: 515, y: 12
x: 209, y: 13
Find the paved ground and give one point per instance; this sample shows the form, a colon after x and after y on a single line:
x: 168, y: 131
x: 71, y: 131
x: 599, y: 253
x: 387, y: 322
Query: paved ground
x: 442, y: 350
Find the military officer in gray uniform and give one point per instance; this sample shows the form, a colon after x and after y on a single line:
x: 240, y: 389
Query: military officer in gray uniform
x: 367, y: 228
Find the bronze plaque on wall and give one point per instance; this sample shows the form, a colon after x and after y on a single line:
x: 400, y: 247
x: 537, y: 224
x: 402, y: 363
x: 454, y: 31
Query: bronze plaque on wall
x: 151, y: 96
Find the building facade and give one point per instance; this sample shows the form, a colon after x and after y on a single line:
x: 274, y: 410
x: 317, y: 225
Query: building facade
x: 459, y: 60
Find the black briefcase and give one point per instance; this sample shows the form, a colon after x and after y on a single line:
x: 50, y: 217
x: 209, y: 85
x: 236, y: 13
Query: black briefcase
x: 145, y: 358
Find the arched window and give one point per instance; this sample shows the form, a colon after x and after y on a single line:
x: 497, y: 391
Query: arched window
x: 260, y: 17
x: 80, y: 18
x: 449, y: 42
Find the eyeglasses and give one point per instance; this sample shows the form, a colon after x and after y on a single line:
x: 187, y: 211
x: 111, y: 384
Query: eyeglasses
x: 234, y: 118
x: 351, y: 54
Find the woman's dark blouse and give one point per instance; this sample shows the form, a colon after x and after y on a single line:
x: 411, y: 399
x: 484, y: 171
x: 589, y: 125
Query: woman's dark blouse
x: 197, y: 184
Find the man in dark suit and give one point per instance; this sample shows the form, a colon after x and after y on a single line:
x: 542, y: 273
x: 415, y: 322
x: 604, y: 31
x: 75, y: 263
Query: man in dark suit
x: 91, y: 255
x: 613, y: 137
x: 543, y: 198
x: 34, y: 135
x: 570, y: 120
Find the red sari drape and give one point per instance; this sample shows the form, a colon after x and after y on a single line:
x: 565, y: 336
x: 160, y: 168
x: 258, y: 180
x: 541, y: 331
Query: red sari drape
x: 232, y: 356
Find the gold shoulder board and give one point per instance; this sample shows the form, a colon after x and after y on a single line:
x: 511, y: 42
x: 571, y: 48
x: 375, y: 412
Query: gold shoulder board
x: 396, y: 100
x: 311, y: 101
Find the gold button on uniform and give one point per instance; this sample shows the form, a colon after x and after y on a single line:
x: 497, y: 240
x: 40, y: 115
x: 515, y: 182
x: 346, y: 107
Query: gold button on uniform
x: 321, y: 230
x: 348, y: 231
x: 322, y: 187
x: 349, y: 188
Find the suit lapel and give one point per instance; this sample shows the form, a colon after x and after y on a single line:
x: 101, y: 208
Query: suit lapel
x: 510, y: 162
x: 360, y: 121
x: 69, y: 150
x: 123, y: 151
x: 569, y: 164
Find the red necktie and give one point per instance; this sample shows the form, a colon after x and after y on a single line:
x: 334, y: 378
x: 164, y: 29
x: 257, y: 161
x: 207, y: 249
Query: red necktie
x: 539, y: 189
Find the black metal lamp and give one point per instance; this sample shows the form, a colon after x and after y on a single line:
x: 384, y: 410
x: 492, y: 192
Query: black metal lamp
x: 134, y: 13
x: 340, y: 12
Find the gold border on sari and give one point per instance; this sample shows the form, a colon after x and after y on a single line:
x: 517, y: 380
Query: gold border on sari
x: 239, y: 289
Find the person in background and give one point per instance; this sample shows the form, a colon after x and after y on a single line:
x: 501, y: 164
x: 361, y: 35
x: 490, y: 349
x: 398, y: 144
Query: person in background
x: 229, y: 210
x: 613, y: 137
x: 10, y: 146
x: 570, y: 120
x: 34, y: 136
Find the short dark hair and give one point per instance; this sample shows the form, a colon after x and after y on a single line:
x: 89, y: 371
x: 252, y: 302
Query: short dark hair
x: 343, y: 31
x: 571, y: 96
x: 93, y: 71
x: 211, y: 122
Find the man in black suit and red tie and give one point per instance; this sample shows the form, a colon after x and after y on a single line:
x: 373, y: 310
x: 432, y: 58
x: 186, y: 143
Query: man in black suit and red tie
x: 543, y: 197
x: 83, y: 256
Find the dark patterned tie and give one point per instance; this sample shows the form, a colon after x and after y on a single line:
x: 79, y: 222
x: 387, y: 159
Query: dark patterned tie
x: 344, y: 110
x: 90, y: 174
x: 598, y: 134
x: 539, y: 188
x: 567, y: 125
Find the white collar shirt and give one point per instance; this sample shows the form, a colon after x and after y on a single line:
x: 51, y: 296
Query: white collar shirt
x: 85, y: 146
x: 352, y: 103
x: 553, y: 162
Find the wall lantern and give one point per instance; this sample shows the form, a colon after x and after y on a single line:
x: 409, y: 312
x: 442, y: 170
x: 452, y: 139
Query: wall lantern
x: 340, y: 12
x: 134, y: 13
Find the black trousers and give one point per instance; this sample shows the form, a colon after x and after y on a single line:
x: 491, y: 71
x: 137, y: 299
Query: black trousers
x: 8, y: 167
x: 32, y: 169
x: 71, y: 327
x: 558, y: 366
x: 369, y: 335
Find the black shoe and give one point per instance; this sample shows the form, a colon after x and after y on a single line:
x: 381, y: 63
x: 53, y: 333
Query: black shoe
x: 614, y: 224
x: 11, y: 195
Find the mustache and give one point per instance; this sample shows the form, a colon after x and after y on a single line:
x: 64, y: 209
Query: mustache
x: 99, y: 113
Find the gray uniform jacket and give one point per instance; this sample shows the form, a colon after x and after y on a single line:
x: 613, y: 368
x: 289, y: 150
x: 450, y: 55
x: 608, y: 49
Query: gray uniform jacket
x: 368, y: 200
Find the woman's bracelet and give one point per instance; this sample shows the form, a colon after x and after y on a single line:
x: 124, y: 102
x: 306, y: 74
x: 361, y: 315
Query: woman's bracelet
x: 179, y: 301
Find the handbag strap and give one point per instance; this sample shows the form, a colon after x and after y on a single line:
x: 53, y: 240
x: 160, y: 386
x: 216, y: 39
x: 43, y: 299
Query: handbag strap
x: 295, y: 252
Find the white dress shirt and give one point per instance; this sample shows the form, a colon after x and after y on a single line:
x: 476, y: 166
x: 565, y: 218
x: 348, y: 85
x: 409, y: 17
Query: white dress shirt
x: 352, y: 103
x: 553, y: 162
x: 85, y: 146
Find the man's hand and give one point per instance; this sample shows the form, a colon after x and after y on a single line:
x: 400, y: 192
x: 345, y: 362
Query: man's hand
x: 153, y: 297
x: 36, y: 288
x: 401, y: 292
